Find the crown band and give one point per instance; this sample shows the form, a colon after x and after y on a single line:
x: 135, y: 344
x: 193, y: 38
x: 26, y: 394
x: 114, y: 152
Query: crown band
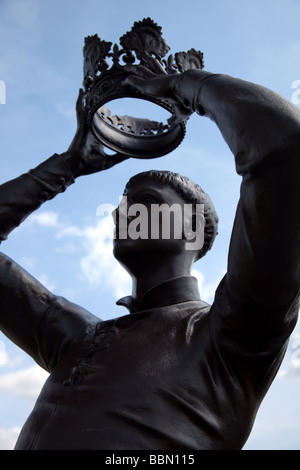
x: 135, y: 137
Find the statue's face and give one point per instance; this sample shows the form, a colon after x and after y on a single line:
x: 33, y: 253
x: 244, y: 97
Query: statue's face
x: 149, y: 219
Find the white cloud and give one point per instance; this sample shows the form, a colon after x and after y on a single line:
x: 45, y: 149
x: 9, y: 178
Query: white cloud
x: 207, y: 290
x: 291, y: 365
x: 97, y: 264
x: 94, y: 245
x: 8, y: 438
x: 45, y: 219
x: 25, y: 382
x: 3, y: 354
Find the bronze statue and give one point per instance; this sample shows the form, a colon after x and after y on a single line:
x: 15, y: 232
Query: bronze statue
x: 175, y: 373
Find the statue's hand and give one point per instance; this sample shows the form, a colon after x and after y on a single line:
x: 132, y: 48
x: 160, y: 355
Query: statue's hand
x: 181, y: 88
x: 158, y: 85
x: 85, y: 154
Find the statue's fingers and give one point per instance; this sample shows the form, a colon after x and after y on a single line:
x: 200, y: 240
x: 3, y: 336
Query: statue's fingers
x: 154, y: 64
x: 147, y: 87
x: 140, y: 71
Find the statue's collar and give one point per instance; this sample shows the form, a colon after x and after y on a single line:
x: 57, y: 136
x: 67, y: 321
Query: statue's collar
x: 173, y: 291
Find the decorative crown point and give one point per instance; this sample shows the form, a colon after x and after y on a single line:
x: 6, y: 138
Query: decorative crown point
x: 189, y: 60
x: 104, y: 74
x: 145, y: 37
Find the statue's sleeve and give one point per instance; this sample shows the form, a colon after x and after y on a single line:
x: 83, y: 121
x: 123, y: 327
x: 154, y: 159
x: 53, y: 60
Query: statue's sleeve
x: 257, y: 301
x: 23, y: 195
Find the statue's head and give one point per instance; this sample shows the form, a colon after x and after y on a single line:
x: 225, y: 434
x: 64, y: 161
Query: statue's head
x: 163, y: 213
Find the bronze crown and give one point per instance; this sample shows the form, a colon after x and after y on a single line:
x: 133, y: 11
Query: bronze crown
x: 135, y: 137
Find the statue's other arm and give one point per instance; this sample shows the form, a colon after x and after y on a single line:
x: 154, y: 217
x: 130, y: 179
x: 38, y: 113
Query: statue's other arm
x: 258, y: 297
x: 39, y: 322
x: 260, y: 293
x: 30, y: 315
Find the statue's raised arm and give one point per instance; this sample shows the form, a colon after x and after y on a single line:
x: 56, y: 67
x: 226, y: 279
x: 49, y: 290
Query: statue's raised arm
x: 262, y: 129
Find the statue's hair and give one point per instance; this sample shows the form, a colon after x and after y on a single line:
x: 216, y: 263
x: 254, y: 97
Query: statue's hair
x: 191, y: 193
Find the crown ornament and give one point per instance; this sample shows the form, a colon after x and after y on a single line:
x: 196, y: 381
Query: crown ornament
x: 103, y: 83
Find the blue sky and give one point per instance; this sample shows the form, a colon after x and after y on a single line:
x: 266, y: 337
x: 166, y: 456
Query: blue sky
x: 65, y: 244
